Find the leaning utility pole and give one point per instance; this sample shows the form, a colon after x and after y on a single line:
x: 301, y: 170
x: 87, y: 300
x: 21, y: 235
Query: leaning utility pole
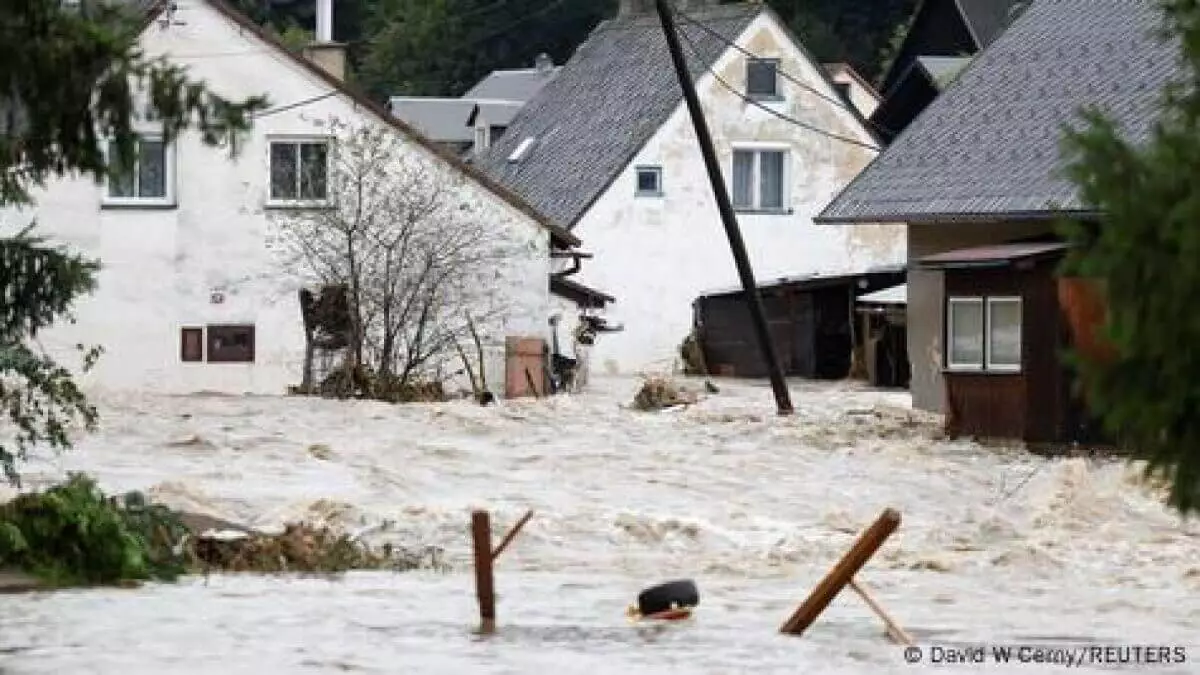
x: 758, y: 316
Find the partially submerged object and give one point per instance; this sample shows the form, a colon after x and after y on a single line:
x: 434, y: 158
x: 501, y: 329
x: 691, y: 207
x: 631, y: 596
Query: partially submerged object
x: 671, y: 601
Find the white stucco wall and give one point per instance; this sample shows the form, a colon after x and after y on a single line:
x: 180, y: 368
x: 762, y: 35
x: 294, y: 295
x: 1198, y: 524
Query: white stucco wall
x: 656, y: 255
x: 864, y: 101
x: 162, y: 265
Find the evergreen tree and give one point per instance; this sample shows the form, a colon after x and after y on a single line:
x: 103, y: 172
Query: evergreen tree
x: 72, y: 80
x: 1144, y: 252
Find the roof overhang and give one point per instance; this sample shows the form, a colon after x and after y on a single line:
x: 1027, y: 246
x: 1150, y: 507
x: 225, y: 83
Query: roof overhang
x: 580, y: 294
x: 993, y: 256
x: 898, y: 217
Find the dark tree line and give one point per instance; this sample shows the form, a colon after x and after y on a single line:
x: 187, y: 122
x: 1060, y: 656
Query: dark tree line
x: 442, y: 47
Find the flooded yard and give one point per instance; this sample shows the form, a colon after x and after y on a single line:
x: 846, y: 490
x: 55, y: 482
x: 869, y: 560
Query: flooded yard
x: 996, y: 546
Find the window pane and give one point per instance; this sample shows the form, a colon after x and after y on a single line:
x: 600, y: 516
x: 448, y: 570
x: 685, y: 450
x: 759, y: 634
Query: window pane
x: 966, y: 333
x: 771, y: 174
x: 283, y: 171
x: 743, y: 179
x: 313, y: 169
x: 647, y: 181
x: 152, y: 169
x: 1004, y: 333
x: 760, y: 78
x: 120, y: 183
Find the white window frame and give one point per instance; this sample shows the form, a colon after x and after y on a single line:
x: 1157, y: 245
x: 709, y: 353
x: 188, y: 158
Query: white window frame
x: 976, y: 301
x: 298, y: 141
x: 168, y: 198
x: 637, y: 181
x: 777, y: 94
x: 756, y: 178
x: 993, y: 300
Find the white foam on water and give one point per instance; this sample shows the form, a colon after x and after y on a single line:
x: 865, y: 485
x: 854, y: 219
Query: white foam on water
x: 995, y: 544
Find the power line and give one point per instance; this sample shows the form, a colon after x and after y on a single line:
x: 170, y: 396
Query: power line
x: 297, y: 104
x: 794, y: 80
x: 787, y: 118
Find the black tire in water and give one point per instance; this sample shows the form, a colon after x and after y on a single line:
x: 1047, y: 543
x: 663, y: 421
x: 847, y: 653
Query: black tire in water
x: 660, y: 598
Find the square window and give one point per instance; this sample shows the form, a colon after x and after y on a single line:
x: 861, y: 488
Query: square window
x: 964, y: 328
x: 148, y: 180
x: 760, y: 180
x: 191, y: 344
x: 1004, y: 333
x: 231, y: 344
x: 649, y: 181
x: 299, y: 171
x: 762, y: 78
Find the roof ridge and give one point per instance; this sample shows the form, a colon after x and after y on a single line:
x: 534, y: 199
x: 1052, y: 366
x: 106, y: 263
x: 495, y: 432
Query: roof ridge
x: 362, y: 100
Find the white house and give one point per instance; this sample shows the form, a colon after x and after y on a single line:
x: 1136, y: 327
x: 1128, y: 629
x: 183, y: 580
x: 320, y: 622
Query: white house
x: 191, y: 295
x: 607, y: 149
x: 854, y: 88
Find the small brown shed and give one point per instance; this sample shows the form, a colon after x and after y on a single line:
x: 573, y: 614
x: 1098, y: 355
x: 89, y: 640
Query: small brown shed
x: 1004, y: 332
x: 811, y: 320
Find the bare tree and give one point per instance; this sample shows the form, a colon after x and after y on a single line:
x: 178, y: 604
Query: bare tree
x: 417, y: 256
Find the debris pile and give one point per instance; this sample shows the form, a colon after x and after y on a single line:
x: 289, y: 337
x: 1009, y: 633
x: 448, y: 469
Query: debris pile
x: 659, y: 393
x: 299, y: 548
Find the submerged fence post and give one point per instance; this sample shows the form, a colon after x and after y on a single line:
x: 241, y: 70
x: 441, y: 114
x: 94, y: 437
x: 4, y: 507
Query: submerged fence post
x: 843, y: 572
x: 481, y: 537
x: 485, y: 562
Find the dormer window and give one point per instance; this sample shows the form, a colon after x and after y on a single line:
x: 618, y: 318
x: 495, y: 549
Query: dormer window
x: 762, y: 78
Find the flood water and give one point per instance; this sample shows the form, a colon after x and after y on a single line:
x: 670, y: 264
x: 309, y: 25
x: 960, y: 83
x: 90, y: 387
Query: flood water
x: 996, y: 547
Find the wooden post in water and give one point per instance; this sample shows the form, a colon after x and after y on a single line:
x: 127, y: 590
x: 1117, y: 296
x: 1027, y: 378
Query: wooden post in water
x: 481, y: 537
x: 843, y: 572
x: 485, y: 561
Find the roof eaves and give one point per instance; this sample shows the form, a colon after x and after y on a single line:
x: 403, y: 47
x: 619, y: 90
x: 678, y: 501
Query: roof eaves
x: 936, y: 218
x: 361, y: 99
x: 966, y: 20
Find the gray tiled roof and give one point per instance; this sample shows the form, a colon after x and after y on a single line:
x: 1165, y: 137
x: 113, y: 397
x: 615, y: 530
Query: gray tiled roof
x: 986, y: 19
x: 441, y: 119
x: 445, y: 119
x: 512, y: 85
x: 606, y: 102
x: 989, y: 145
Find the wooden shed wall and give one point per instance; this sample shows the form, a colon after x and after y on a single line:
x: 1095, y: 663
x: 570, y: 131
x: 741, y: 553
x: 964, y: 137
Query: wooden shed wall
x: 1032, y: 404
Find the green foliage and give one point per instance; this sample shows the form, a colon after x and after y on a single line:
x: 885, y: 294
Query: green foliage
x: 1144, y: 251
x: 72, y: 79
x: 72, y: 534
x: 41, y: 399
x: 72, y: 84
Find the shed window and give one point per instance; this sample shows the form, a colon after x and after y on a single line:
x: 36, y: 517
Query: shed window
x: 965, y: 327
x: 191, y: 344
x: 759, y: 179
x: 649, y: 181
x: 983, y: 333
x: 1004, y: 333
x: 299, y: 171
x: 231, y: 344
x: 762, y: 78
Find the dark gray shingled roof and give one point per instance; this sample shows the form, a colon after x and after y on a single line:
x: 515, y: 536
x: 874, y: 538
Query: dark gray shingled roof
x: 988, y: 146
x: 986, y: 19
x: 590, y: 120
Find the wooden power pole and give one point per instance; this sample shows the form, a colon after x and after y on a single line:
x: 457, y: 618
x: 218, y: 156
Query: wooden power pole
x: 741, y: 259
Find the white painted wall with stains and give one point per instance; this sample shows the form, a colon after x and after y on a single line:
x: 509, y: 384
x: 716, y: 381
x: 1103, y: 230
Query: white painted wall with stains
x: 657, y: 254
x: 205, y: 258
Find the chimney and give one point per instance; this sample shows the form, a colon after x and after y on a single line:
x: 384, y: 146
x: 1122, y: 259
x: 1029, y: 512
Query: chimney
x: 330, y: 56
x: 543, y: 64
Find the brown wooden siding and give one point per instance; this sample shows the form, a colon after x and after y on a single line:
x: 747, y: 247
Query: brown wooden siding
x: 1029, y: 405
